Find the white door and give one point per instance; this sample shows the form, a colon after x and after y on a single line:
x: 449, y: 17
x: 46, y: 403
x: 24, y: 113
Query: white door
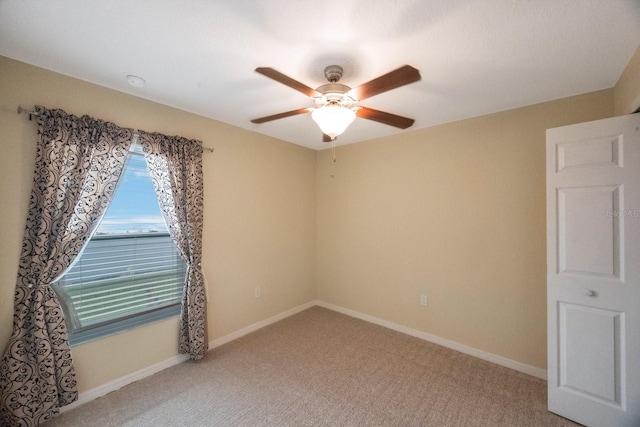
x: 593, y: 271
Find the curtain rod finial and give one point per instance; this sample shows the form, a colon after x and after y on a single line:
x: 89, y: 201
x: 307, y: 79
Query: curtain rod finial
x: 25, y: 111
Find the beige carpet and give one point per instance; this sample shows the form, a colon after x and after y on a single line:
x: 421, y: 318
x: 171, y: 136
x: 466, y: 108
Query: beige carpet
x: 321, y: 368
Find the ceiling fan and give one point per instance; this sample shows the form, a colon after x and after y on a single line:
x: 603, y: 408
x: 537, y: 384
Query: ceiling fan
x: 336, y: 104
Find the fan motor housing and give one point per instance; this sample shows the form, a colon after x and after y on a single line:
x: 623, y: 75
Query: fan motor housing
x: 333, y: 88
x: 335, y: 94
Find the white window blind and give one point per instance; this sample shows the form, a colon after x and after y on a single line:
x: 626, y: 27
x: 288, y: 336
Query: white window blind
x: 130, y: 272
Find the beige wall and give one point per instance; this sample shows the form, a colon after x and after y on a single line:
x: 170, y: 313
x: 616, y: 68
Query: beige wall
x: 627, y: 89
x: 259, y: 225
x: 456, y: 212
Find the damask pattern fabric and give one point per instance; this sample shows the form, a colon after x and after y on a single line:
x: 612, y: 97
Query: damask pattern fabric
x: 79, y: 161
x: 175, y: 165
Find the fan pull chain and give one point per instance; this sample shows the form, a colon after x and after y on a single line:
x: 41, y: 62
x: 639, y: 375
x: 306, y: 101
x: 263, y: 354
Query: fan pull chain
x: 333, y: 157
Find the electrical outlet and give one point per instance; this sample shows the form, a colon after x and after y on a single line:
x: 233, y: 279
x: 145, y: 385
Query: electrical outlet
x: 257, y: 292
x: 423, y: 300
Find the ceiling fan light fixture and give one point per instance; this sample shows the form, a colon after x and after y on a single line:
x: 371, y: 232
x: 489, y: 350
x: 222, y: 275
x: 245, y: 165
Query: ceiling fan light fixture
x: 337, y: 104
x: 333, y: 119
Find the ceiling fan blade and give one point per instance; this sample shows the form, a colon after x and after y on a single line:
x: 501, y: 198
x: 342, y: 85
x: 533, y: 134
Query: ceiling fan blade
x: 326, y: 138
x: 287, y: 81
x: 400, y: 77
x: 281, y: 115
x: 385, y: 118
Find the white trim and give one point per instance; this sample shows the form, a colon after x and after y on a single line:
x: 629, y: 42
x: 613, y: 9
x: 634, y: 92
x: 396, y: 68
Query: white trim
x: 480, y: 354
x: 259, y: 325
x: 118, y: 383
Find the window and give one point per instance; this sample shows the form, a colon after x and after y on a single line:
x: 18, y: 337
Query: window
x: 130, y: 272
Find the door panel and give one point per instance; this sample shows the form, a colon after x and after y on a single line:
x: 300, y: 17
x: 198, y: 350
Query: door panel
x: 592, y: 152
x: 593, y: 271
x: 595, y: 252
x: 583, y: 331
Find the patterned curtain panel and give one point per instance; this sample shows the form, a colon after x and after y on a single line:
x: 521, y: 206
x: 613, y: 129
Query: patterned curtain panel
x: 79, y: 161
x: 175, y: 165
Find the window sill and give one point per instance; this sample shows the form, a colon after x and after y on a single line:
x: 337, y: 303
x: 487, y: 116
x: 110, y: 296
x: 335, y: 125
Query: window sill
x: 93, y: 333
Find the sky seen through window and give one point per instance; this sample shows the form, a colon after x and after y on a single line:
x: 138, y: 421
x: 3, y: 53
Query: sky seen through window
x: 134, y: 208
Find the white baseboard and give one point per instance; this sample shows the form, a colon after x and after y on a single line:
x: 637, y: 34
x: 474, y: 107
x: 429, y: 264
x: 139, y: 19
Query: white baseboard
x: 480, y: 354
x: 118, y: 383
x: 258, y: 325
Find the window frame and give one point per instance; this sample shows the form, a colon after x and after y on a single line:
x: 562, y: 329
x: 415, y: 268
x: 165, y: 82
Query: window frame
x: 95, y: 331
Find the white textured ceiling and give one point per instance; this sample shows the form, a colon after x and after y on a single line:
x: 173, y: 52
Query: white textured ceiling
x: 475, y: 56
